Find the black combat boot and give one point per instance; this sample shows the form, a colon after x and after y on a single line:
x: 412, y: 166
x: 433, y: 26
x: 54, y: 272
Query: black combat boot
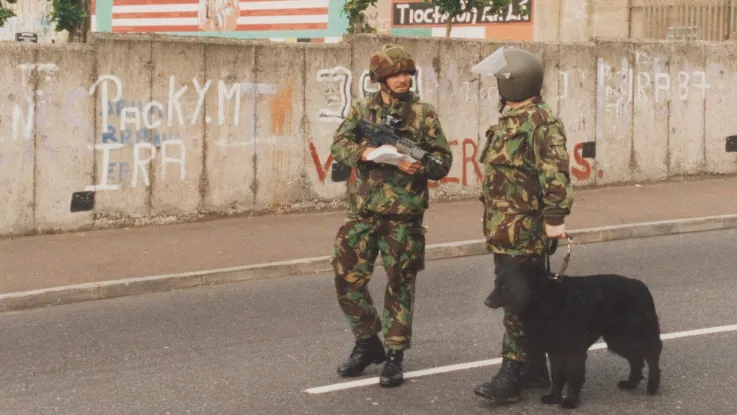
x: 365, y: 352
x: 505, y: 386
x: 535, y: 373
x: 392, y: 374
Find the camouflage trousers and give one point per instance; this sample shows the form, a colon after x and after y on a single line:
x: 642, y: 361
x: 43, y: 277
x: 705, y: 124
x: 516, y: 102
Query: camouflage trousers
x: 402, y: 248
x: 515, y: 344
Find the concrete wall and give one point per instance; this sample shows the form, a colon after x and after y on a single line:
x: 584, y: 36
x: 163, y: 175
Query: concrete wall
x: 155, y: 130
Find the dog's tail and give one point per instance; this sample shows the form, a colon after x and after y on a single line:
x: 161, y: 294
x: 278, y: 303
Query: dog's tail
x: 648, y: 307
x: 654, y: 345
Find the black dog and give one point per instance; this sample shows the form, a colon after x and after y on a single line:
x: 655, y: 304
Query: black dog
x: 566, y: 316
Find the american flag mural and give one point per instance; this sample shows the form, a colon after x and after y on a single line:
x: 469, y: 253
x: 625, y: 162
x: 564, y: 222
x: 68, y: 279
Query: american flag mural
x: 218, y: 15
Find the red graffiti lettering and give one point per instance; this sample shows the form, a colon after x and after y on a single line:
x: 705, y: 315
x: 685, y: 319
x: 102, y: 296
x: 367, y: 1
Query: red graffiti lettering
x: 472, y: 159
x: 586, y: 172
x: 322, y: 169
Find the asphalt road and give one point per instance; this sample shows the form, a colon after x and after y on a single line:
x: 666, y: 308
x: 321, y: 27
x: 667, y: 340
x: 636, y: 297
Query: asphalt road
x: 255, y: 347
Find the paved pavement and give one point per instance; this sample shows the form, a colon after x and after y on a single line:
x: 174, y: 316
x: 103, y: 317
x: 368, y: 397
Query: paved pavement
x: 46, y: 261
x: 256, y: 347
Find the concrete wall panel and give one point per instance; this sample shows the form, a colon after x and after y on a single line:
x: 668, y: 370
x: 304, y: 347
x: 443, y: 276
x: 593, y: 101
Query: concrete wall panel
x: 329, y: 93
x: 278, y: 146
x: 687, y: 98
x: 614, y: 111
x: 17, y: 142
x: 650, y: 116
x: 228, y: 152
x: 64, y: 134
x: 720, y: 120
x: 458, y: 113
x: 180, y: 87
x: 123, y: 83
x: 577, y: 107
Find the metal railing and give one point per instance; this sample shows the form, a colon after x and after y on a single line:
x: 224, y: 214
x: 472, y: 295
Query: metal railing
x: 689, y: 19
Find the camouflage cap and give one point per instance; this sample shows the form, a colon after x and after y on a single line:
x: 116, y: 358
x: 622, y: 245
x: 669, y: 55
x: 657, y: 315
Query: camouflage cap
x: 390, y: 60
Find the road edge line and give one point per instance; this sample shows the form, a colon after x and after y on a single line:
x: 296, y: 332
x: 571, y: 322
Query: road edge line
x: 162, y: 283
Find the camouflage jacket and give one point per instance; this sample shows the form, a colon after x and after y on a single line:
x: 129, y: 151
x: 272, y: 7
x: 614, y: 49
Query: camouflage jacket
x: 526, y: 179
x: 383, y: 189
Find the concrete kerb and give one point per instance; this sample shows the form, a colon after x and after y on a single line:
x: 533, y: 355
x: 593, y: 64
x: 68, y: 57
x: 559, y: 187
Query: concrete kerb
x: 161, y: 283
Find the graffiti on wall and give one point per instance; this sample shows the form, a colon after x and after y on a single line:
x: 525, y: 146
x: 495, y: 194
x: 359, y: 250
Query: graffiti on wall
x: 131, y: 134
x: 151, y: 126
x: 134, y: 138
x: 28, y: 118
x: 337, y: 82
x: 338, y: 101
x: 31, y: 112
x: 658, y: 86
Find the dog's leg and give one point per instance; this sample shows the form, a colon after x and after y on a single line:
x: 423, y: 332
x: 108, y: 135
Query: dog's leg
x: 636, y: 363
x: 557, y: 375
x: 575, y: 375
x: 631, y: 349
x: 653, y: 366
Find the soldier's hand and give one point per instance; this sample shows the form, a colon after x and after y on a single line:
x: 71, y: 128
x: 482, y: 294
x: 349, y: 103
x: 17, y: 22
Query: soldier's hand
x: 366, y: 153
x: 409, y: 167
x: 556, y: 232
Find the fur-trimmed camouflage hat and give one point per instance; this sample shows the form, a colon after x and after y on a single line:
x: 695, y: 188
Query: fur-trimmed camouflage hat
x: 390, y: 60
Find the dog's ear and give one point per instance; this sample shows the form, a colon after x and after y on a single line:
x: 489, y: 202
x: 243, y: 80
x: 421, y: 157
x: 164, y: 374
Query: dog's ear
x: 511, y: 288
x: 495, y: 299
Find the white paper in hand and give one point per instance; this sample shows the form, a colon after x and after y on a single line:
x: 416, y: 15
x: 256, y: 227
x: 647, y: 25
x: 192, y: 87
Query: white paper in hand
x: 388, y: 155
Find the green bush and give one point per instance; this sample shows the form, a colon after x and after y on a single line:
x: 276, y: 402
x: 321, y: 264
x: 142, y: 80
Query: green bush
x: 356, y: 19
x: 69, y: 15
x: 5, y: 14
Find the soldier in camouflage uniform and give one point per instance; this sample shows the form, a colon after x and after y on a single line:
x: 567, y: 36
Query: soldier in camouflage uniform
x: 526, y: 193
x: 385, y: 215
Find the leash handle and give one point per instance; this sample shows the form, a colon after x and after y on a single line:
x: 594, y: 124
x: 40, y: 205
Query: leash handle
x: 566, y: 258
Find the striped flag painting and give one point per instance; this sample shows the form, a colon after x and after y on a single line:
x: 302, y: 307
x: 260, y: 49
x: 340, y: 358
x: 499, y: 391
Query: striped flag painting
x: 218, y: 15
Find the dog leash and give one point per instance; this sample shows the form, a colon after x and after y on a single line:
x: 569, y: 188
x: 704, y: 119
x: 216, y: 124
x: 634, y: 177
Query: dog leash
x: 566, y: 258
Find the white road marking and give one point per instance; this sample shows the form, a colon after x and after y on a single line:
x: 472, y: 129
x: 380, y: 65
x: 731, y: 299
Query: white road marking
x: 489, y: 362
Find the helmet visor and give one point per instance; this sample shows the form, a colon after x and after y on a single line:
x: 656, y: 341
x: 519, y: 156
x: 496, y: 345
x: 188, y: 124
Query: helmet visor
x: 493, y: 65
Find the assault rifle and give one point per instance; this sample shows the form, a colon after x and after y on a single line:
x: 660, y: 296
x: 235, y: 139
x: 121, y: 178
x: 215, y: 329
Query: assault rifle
x: 378, y: 135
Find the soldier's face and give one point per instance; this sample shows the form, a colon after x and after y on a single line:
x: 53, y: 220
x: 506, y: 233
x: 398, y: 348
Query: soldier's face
x: 399, y: 83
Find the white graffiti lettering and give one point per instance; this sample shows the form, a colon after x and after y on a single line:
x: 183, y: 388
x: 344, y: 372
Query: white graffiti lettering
x: 338, y: 92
